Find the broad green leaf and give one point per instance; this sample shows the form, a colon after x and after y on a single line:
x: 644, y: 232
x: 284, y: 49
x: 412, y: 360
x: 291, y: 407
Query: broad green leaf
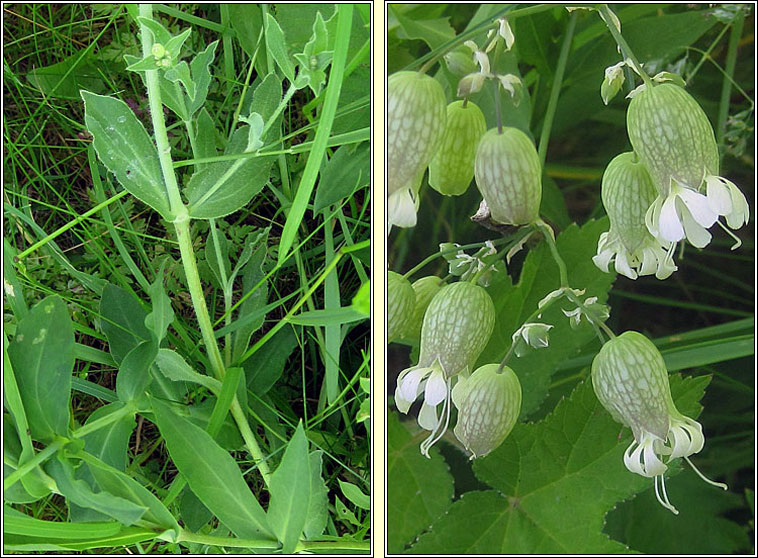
x: 162, y: 315
x: 175, y: 368
x: 227, y: 434
x: 700, y: 527
x: 124, y: 147
x: 123, y: 321
x: 266, y: 366
x: 159, y: 32
x: 42, y: 356
x: 120, y: 484
x: 34, y: 485
x: 180, y: 73
x: 64, y: 79
x: 192, y: 511
x: 346, y: 171
x: 296, y: 21
x: 111, y: 442
x: 247, y: 22
x: 355, y: 495
x: 290, y: 492
x: 134, y: 373
x: 212, y: 474
x: 80, y: 493
x: 205, y: 137
x: 514, y: 303
x: 224, y: 187
x: 434, y: 32
x: 257, y: 248
x: 17, y: 493
x: 201, y: 74
x: 554, y: 482
x: 277, y: 47
x: 266, y: 98
x: 419, y: 490
x: 318, y: 513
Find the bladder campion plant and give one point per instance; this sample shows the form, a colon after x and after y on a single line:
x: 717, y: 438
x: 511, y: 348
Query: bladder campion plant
x: 514, y: 356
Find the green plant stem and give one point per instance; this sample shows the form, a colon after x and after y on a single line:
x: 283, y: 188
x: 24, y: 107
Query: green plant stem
x: 626, y: 52
x: 429, y: 259
x: 593, y: 318
x: 547, y: 233
x: 726, y: 86
x: 38, y: 459
x: 555, y: 92
x: 182, y: 228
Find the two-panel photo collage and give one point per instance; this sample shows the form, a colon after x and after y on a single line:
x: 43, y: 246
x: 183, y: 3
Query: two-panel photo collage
x: 376, y: 278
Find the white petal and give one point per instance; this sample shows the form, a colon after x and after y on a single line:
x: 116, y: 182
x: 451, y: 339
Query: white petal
x: 696, y: 234
x: 653, y: 465
x: 718, y: 195
x: 740, y: 209
x: 622, y: 264
x: 669, y: 226
x: 666, y: 265
x: 408, y: 386
x: 401, y: 209
x: 653, y: 215
x: 436, y: 389
x: 427, y: 417
x: 699, y: 207
x: 632, y: 459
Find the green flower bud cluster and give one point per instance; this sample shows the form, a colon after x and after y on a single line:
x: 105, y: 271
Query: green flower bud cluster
x: 458, y: 320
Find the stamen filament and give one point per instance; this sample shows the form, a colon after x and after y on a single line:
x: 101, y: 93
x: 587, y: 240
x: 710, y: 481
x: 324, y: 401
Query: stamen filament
x: 702, y: 476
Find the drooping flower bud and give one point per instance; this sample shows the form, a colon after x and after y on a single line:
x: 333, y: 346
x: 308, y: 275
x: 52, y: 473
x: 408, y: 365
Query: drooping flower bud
x: 415, y: 123
x: 425, y: 289
x: 460, y: 62
x: 488, y: 403
x: 457, y: 326
x: 400, y: 302
x: 630, y: 380
x: 627, y: 193
x: 509, y: 176
x: 452, y: 167
x: 672, y: 136
x: 674, y: 139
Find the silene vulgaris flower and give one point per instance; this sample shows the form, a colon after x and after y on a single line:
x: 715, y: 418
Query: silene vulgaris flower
x: 630, y: 380
x: 457, y: 326
x: 627, y: 193
x: 674, y: 139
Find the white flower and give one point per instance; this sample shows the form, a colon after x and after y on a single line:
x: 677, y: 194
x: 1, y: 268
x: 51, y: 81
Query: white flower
x: 682, y: 213
x: 648, y: 258
x: 436, y: 387
x: 402, y: 205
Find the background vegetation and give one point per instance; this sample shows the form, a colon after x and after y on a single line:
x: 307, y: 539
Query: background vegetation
x: 53, y: 180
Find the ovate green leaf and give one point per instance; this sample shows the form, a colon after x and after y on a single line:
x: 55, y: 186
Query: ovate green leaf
x: 42, y: 356
x: 124, y: 147
x: 290, y: 492
x: 212, y: 474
